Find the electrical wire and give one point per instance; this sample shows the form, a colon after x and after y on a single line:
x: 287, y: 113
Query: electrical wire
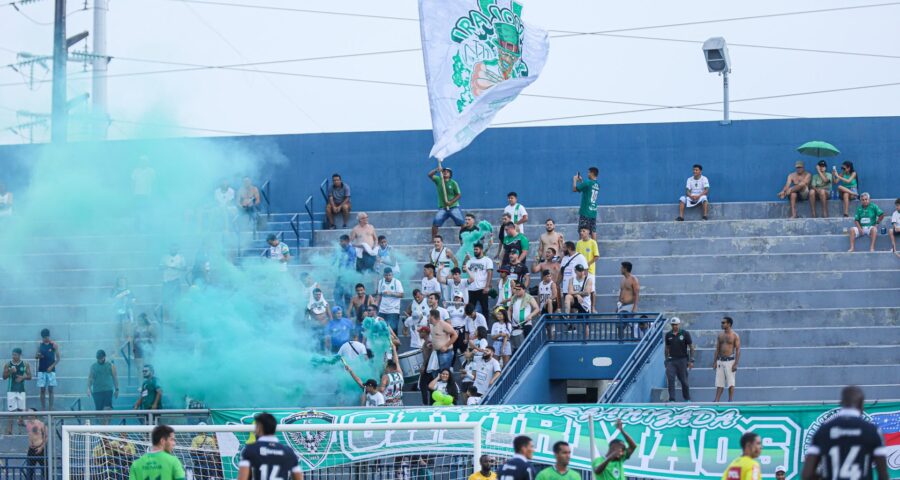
x: 297, y: 10
x: 181, y: 127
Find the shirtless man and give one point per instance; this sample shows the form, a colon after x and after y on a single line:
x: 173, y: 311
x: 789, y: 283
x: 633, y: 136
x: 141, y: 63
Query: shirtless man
x: 725, y: 362
x: 797, y: 185
x: 550, y: 238
x: 629, y: 291
x: 443, y: 336
x: 37, y: 441
x: 363, y: 238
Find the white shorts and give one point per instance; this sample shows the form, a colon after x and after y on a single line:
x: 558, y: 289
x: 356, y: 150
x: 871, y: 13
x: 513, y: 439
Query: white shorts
x: 690, y: 203
x: 15, y: 401
x: 724, y: 375
x: 46, y: 379
x: 865, y: 231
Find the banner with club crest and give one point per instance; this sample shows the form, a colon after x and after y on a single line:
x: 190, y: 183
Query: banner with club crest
x: 674, y: 442
x: 479, y: 55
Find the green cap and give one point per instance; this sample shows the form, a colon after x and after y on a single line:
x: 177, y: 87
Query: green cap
x: 507, y: 37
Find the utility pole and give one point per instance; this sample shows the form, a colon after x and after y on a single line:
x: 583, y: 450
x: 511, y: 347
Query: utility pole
x: 101, y: 61
x: 59, y: 124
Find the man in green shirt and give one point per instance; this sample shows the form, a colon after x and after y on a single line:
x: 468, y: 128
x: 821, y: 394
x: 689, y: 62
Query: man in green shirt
x: 159, y: 463
x: 150, y: 397
x: 561, y: 470
x: 590, y: 190
x: 514, y: 241
x: 612, y: 466
x: 865, y: 222
x: 448, y: 199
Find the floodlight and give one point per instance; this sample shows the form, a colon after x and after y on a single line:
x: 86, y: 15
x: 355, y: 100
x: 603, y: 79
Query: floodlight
x: 715, y: 51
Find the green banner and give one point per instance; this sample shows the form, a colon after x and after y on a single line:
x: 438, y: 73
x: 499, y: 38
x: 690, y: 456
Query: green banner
x: 689, y: 442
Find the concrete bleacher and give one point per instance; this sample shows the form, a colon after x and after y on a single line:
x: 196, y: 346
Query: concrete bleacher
x: 810, y: 315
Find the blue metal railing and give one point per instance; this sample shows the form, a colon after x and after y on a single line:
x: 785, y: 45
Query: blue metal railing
x: 264, y: 193
x: 635, y: 363
x: 308, y: 205
x: 323, y: 188
x: 126, y: 351
x: 295, y: 226
x: 566, y: 328
x: 23, y: 467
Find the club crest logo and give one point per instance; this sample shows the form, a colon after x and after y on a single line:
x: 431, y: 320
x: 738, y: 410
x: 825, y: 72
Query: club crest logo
x: 312, y: 447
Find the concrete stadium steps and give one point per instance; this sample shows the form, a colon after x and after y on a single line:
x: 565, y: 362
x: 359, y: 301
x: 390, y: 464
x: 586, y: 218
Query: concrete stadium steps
x: 804, y: 354
x: 86, y: 348
x: 800, y: 375
x: 25, y: 332
x: 689, y: 300
x: 788, y: 337
x: 749, y: 263
x: 812, y: 393
x: 823, y: 317
x: 49, y: 314
x: 40, y: 295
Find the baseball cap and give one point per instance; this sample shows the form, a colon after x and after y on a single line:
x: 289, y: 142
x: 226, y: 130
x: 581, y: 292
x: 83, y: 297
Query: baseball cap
x: 780, y: 468
x: 822, y: 163
x: 675, y: 321
x: 371, y: 383
x: 457, y: 293
x: 336, y: 309
x: 579, y: 268
x: 798, y: 163
x: 504, y: 269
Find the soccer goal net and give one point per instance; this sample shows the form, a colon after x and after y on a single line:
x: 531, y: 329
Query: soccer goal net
x: 418, y: 451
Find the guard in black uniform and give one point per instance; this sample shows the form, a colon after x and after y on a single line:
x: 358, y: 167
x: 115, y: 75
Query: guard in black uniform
x: 847, y: 446
x: 519, y: 467
x: 266, y: 459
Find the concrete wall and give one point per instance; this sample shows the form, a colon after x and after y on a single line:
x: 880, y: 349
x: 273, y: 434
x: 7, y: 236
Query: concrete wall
x: 640, y: 163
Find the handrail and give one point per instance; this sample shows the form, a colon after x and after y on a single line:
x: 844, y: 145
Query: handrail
x: 562, y: 328
x: 312, y: 224
x: 635, y: 363
x: 295, y: 226
x: 126, y: 352
x: 76, y: 405
x: 323, y: 187
x: 264, y: 192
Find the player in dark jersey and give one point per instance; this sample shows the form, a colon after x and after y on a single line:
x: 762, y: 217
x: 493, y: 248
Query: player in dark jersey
x: 847, y: 444
x: 519, y: 467
x: 266, y: 459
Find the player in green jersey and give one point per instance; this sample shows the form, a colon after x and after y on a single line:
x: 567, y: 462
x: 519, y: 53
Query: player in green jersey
x: 159, y: 463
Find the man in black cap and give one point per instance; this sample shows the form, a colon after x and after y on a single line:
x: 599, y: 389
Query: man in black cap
x: 820, y: 188
x: 679, y: 359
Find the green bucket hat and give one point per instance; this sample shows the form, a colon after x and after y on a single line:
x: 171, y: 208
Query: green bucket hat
x: 508, y: 38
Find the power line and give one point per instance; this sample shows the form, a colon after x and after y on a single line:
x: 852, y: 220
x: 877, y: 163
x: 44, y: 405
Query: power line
x: 175, y: 125
x: 296, y: 10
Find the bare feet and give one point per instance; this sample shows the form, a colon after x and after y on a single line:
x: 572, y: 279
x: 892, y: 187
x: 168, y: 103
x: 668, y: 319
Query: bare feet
x: 850, y: 251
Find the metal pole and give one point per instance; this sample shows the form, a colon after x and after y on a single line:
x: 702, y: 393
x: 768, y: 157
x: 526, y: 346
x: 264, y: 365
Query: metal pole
x: 727, y: 119
x: 59, y: 121
x: 50, y: 450
x: 100, y: 64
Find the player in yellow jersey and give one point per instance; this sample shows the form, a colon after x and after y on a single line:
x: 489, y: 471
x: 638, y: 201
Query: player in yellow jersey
x: 745, y: 467
x: 485, y: 473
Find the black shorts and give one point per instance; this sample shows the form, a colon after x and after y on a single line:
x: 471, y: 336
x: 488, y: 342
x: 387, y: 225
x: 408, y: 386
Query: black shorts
x: 586, y: 222
x: 103, y: 400
x: 577, y: 308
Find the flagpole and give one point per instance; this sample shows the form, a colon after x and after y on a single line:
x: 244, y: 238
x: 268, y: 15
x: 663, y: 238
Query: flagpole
x: 443, y: 183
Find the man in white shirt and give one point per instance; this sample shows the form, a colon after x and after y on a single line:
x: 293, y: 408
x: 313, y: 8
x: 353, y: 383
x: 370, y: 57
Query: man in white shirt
x: 480, y: 270
x: 456, y: 284
x: 578, y: 296
x: 443, y: 260
x: 317, y: 308
x: 277, y: 252
x: 516, y: 211
x: 696, y: 192
x: 434, y: 303
x: 485, y: 371
x: 568, y: 263
x: 351, y: 350
x: 416, y: 318
x: 430, y: 284
x: 473, y: 321
x: 390, y: 293
x: 895, y: 226
x: 174, y: 268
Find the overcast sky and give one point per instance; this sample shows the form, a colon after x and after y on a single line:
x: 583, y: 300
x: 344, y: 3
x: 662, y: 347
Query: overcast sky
x: 664, y: 67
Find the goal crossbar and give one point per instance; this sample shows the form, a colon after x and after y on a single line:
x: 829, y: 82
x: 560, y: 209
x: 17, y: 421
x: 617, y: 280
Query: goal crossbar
x: 69, y: 430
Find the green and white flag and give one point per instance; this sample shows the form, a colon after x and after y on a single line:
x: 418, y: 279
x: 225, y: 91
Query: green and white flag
x: 479, y: 55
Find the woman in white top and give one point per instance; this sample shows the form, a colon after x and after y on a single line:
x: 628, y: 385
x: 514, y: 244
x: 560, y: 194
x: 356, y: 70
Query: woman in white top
x: 444, y: 383
x: 500, y: 332
x: 443, y: 260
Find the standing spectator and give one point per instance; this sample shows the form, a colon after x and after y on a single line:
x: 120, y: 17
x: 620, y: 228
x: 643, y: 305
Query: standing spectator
x: 581, y: 287
x: 550, y: 238
x: 456, y: 285
x: 123, y: 301
x: 103, y: 382
x: 469, y: 225
x: 416, y: 318
x: 518, y: 270
x: 37, y: 443
x: 797, y: 185
x: 430, y: 283
x: 820, y: 188
x: 6, y: 201
x: 485, y: 371
x: 48, y: 357
x: 377, y: 328
x: 363, y: 238
x: 590, y: 192
x: 865, y: 222
x: 523, y: 309
x: 504, y: 287
x: 612, y: 465
x: 588, y: 247
x: 225, y: 205
x: 144, y: 338
x: 352, y: 350
x: 560, y: 470
x: 481, y: 271
x: 679, y: 354
x: 317, y: 309
x: 500, y: 333
x: 389, y: 291
x: 895, y: 226
x: 548, y: 292
x: 516, y: 212
x: 629, y: 290
x: 501, y: 234
x: 726, y: 359
x: 519, y: 467
x: 443, y: 336
x: 434, y: 303
x: 277, y: 252
x: 847, y: 184
x: 174, y: 269
x: 385, y: 256
x: 457, y: 310
x: 448, y: 199
x: 338, y: 194
x: 150, y: 397
x: 514, y: 241
x: 475, y: 322
x: 443, y: 260
x: 485, y: 473
x: 571, y: 259
x: 360, y: 302
x: 339, y: 330
x: 249, y: 198
x: 696, y: 191
x: 17, y: 371
x: 345, y: 261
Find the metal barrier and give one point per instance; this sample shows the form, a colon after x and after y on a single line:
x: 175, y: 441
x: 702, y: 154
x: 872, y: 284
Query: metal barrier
x: 126, y: 351
x: 310, y: 211
x: 635, y: 363
x: 25, y: 467
x: 264, y: 193
x: 568, y: 328
x: 295, y: 226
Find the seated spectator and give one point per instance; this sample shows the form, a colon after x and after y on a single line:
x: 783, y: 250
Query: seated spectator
x: 6, y: 201
x: 385, y: 256
x: 797, y: 185
x: 277, y: 252
x: 473, y: 397
x: 144, y: 339
x: 339, y: 330
x: 820, y: 188
x: 248, y: 197
x: 548, y: 293
x: 430, y: 283
x: 338, y: 194
x: 515, y: 210
x: 448, y: 199
x: 895, y: 226
x: 444, y: 384
x: 578, y: 298
x: 865, y: 222
x: 847, y: 183
x: 500, y: 333
x: 696, y: 192
x: 364, y: 239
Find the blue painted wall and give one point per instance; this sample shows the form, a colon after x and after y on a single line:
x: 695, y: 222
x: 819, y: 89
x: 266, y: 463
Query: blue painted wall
x: 640, y: 163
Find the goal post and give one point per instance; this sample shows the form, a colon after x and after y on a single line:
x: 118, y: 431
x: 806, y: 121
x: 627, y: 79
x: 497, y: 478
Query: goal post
x: 326, y: 451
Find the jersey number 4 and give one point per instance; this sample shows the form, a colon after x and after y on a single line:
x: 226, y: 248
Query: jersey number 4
x: 847, y: 469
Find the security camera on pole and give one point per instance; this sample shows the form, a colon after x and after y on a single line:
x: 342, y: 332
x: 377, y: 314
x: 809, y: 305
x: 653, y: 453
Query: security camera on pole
x: 715, y: 51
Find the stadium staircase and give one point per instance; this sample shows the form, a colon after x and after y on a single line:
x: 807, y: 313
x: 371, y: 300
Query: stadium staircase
x: 811, y: 316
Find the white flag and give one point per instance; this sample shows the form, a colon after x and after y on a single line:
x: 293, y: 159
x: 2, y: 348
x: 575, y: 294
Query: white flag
x: 478, y: 56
